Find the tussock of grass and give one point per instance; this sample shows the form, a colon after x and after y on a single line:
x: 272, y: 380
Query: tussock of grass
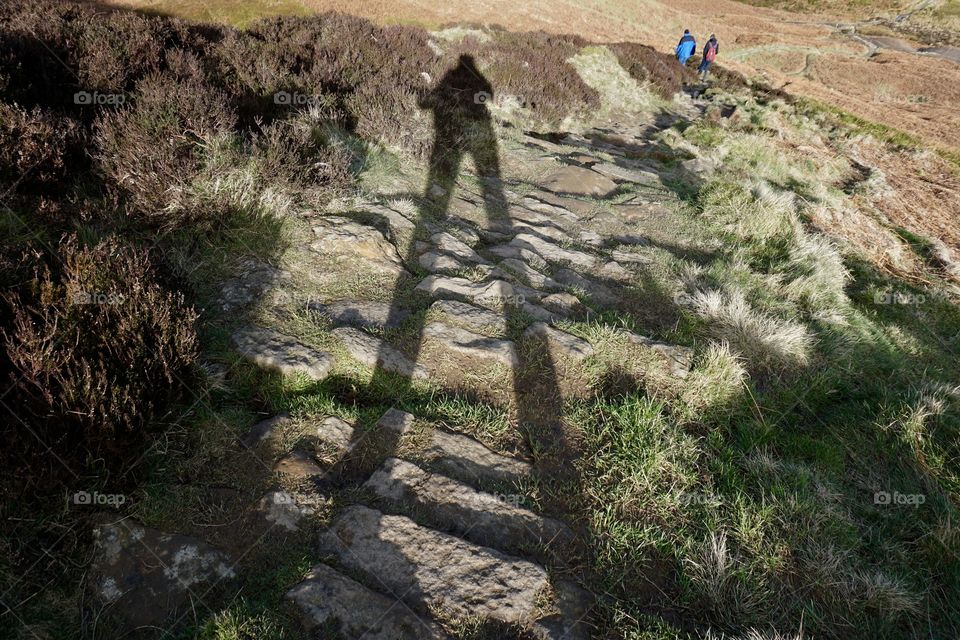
x: 768, y: 343
x: 619, y: 92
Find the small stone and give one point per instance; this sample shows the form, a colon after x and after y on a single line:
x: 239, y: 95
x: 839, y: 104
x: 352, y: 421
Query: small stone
x: 397, y: 421
x: 365, y: 314
x: 472, y: 344
x: 273, y: 350
x: 626, y: 174
x: 496, y: 292
x: 615, y: 271
x: 546, y: 231
x: 376, y: 353
x: 328, y: 597
x: 455, y: 247
x: 540, y: 314
x: 432, y: 569
x: 633, y: 239
x: 591, y: 238
x: 679, y: 358
x: 297, y: 466
x: 477, y: 318
x: 397, y: 221
x: 583, y: 159
x: 580, y: 181
x: 263, y: 430
x: 565, y: 304
x: 254, y: 281
x: 336, y: 433
x: 557, y: 207
x: 439, y: 263
x: 519, y: 253
x: 279, y: 508
x: 568, y: 345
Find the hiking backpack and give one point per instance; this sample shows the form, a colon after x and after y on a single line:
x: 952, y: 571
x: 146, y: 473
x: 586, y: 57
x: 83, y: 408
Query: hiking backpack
x: 711, y: 52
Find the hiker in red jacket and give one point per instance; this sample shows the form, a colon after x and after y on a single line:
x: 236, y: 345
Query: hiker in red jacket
x: 710, y: 52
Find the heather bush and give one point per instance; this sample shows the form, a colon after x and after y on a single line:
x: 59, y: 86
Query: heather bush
x: 97, y: 348
x: 39, y: 151
x: 533, y: 67
x: 646, y: 64
x: 375, y: 74
x: 153, y: 149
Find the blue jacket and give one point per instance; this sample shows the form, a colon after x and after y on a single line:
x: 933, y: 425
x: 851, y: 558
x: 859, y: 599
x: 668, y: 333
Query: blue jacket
x: 686, y: 47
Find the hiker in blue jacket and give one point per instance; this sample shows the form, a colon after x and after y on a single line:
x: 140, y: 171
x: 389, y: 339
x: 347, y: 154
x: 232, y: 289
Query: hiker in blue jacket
x: 710, y: 51
x: 686, y: 47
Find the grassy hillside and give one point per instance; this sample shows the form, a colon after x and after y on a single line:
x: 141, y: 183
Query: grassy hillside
x: 802, y: 480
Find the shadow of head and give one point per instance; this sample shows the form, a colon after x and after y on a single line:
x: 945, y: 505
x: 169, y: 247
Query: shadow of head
x: 463, y: 90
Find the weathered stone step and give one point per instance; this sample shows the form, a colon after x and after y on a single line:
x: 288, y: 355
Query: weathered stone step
x: 427, y: 568
x: 529, y: 275
x: 472, y: 344
x: 560, y: 341
x: 547, y: 250
x: 327, y: 597
x: 476, y: 318
x: 494, y: 520
x: 460, y: 456
x: 366, y: 314
x: 450, y: 245
x: 598, y: 293
x: 273, y: 350
x: 495, y: 292
x: 376, y: 353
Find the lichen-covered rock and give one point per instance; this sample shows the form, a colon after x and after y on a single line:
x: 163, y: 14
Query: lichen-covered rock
x: 345, y: 240
x: 142, y: 577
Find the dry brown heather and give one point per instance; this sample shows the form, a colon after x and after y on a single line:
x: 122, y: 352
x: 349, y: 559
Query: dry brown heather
x: 797, y: 52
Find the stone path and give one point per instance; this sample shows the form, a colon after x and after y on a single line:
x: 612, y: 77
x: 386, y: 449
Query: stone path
x: 442, y: 528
